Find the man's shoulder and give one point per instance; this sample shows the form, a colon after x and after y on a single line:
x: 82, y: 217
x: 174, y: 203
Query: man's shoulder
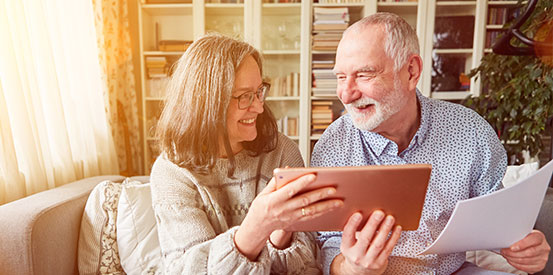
x: 449, y: 112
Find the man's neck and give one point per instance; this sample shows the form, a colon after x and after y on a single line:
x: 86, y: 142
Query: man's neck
x: 404, y: 125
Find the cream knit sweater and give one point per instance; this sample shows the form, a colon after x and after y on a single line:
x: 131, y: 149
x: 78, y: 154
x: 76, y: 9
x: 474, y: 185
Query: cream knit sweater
x: 197, y: 216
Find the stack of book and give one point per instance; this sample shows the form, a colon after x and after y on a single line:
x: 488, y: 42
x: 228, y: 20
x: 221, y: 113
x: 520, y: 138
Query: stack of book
x: 321, y: 116
x: 324, y: 82
x: 156, y: 66
x: 288, y: 85
x: 328, y: 26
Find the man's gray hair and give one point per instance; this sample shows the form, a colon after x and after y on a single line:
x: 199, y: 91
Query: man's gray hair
x: 401, y: 38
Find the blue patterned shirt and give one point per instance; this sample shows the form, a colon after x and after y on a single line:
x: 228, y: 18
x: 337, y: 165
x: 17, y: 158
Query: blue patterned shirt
x: 467, y: 160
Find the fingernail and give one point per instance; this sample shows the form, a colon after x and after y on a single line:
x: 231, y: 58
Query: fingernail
x: 338, y: 204
x: 515, y: 248
x: 311, y: 177
x: 331, y: 191
x: 389, y: 220
x: 357, y: 217
x: 378, y: 215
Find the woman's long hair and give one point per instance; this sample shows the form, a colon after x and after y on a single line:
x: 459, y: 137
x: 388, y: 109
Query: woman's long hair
x: 194, y: 116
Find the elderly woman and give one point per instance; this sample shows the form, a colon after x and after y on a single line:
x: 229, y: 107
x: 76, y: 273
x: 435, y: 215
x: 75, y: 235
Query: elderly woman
x: 217, y: 208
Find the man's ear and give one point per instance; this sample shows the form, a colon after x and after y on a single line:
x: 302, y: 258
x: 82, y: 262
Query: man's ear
x: 414, y: 69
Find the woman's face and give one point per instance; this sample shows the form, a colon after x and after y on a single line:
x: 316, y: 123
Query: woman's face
x: 241, y: 123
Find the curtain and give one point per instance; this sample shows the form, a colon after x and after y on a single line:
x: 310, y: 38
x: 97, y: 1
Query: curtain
x: 52, y: 112
x: 114, y: 42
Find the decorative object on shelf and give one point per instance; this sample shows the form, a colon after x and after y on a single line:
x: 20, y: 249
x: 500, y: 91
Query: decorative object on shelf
x: 517, y: 99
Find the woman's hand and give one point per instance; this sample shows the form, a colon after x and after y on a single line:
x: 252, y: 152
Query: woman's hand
x: 276, y: 209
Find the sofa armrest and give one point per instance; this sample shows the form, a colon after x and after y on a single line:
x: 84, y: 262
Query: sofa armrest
x: 39, y: 233
x: 544, y: 223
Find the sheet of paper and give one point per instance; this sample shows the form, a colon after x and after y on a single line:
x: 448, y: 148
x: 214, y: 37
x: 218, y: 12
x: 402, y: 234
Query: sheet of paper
x: 496, y: 220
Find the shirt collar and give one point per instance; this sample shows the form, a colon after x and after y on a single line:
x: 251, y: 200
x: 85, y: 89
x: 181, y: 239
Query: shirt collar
x: 378, y: 143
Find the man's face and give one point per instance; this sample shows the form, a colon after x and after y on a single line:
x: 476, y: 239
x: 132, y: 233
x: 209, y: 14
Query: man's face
x: 367, y: 84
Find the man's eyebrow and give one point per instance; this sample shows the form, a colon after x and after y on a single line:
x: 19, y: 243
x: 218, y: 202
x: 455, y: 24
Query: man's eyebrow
x: 364, y: 69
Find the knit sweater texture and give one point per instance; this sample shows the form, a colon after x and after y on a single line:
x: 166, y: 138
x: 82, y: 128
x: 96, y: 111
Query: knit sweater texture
x: 198, y: 215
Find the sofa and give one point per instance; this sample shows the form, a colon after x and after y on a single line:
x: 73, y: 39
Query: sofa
x: 39, y: 234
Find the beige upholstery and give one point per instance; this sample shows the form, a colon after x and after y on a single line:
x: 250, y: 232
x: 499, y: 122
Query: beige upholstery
x: 39, y: 234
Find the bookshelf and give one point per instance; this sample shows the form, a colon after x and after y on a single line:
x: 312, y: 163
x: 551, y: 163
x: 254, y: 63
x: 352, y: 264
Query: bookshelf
x: 283, y: 32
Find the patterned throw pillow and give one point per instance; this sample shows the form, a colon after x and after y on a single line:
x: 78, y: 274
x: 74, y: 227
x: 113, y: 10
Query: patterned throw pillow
x: 98, y: 251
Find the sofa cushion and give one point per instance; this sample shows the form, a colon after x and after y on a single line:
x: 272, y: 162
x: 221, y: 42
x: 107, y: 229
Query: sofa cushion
x: 40, y: 232
x: 98, y: 251
x: 137, y: 237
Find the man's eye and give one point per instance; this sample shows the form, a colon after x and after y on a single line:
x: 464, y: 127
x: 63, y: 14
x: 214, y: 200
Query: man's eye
x: 341, y: 77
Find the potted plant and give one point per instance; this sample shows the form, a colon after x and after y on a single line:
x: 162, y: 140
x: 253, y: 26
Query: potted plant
x: 517, y: 94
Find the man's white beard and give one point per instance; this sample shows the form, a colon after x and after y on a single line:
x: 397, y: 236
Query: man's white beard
x: 383, y: 109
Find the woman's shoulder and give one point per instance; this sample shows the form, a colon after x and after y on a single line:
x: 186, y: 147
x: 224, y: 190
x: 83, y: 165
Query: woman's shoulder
x: 164, y: 169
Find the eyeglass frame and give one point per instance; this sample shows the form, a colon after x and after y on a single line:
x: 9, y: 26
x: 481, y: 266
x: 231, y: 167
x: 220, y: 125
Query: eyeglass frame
x: 262, y: 90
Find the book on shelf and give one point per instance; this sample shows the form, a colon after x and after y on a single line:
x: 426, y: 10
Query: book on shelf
x: 287, y: 85
x: 321, y: 103
x: 395, y: 1
x: 288, y: 125
x: 323, y: 91
x: 340, y: 1
x: 330, y: 27
x: 174, y: 45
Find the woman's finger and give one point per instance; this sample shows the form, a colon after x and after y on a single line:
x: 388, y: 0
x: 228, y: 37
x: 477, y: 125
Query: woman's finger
x: 271, y: 187
x: 317, y: 209
x: 293, y: 187
x: 308, y: 198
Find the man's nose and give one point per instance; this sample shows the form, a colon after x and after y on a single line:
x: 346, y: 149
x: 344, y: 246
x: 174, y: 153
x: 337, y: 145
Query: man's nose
x: 348, y: 91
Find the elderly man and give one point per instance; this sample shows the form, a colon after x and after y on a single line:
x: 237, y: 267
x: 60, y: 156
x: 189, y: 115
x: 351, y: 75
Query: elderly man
x: 390, y: 122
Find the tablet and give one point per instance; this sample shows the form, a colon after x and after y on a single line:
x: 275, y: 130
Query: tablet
x: 398, y: 190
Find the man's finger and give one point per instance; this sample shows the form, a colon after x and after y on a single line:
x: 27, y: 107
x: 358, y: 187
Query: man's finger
x: 348, y: 235
x: 535, y: 238
x: 392, y: 241
x: 379, y: 241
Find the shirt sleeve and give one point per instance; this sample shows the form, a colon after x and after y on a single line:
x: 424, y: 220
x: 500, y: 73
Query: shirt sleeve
x: 490, y: 162
x: 189, y: 244
x: 329, y: 243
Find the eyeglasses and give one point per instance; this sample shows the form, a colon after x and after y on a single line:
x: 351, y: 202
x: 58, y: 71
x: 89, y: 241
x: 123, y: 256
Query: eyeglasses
x: 245, y: 100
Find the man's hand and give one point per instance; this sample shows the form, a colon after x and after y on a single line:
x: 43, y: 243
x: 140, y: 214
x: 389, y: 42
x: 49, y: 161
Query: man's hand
x: 368, y: 251
x: 529, y: 254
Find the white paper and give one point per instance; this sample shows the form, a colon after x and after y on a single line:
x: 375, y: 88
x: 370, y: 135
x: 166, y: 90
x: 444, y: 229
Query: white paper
x: 496, y: 220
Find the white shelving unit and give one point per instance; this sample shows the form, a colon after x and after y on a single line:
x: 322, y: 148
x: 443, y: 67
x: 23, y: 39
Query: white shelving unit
x: 282, y: 32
